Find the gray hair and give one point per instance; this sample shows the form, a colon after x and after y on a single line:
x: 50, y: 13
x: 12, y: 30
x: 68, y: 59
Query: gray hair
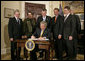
x: 16, y: 11
x: 43, y: 22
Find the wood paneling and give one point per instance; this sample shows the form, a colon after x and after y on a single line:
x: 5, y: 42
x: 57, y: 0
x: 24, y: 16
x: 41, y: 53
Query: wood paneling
x: 34, y: 8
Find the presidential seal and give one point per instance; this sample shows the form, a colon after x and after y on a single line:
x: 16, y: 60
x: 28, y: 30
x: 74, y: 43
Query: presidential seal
x: 30, y: 45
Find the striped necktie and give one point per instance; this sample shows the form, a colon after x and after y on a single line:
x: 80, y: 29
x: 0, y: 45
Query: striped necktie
x: 41, y: 33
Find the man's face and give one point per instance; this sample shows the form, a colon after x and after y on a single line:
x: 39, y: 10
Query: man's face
x: 29, y: 15
x: 44, y: 13
x: 42, y: 26
x: 66, y: 11
x: 56, y: 12
x: 17, y: 14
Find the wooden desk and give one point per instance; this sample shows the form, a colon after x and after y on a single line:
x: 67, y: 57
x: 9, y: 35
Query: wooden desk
x: 41, y: 45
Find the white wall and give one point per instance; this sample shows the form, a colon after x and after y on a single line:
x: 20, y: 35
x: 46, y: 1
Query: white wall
x: 5, y: 43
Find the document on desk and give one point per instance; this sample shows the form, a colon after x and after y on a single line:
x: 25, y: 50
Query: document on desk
x: 39, y: 39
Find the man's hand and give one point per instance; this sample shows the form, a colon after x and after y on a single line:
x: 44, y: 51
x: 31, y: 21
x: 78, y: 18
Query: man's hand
x: 41, y: 38
x: 24, y: 37
x: 70, y: 37
x: 32, y: 37
x: 11, y: 39
x: 59, y: 36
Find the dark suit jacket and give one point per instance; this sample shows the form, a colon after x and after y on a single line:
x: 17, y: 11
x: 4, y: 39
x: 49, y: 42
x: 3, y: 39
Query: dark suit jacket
x: 69, y: 27
x: 45, y: 34
x: 48, y: 20
x: 15, y: 29
x: 57, y: 27
x: 78, y: 23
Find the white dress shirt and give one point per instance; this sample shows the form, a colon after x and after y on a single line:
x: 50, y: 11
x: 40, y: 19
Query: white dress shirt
x: 44, y: 18
x: 17, y: 19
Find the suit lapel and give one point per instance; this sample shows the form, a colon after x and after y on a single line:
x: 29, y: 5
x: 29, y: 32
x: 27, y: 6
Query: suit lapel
x: 46, y: 19
x: 39, y: 32
x: 15, y: 20
x: 19, y: 21
x: 67, y: 18
x: 41, y: 18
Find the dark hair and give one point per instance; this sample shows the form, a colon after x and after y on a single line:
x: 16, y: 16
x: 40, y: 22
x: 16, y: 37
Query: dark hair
x: 67, y: 7
x: 56, y: 9
x: 44, y: 9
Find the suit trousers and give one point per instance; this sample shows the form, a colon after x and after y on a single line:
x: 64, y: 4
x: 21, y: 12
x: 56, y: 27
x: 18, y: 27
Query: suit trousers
x: 75, y: 48
x: 14, y: 50
x: 58, y: 48
x: 70, y: 47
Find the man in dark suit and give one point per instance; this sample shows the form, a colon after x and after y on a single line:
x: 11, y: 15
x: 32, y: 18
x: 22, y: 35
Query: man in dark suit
x: 44, y: 17
x: 78, y: 29
x: 78, y: 23
x: 15, y: 32
x: 40, y: 33
x: 69, y: 32
x: 57, y: 26
x: 46, y: 33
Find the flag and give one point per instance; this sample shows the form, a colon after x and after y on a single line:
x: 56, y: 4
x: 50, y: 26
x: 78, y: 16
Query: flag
x: 61, y: 11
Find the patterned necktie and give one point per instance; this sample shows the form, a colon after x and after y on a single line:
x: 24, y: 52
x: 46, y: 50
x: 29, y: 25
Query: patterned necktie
x: 55, y: 19
x: 41, y: 33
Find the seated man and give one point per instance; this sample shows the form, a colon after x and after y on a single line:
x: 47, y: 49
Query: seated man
x: 41, y: 33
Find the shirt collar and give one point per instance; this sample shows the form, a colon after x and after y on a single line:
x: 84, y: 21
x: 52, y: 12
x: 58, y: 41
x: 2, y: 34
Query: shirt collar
x: 16, y: 18
x: 56, y: 16
x: 44, y: 16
